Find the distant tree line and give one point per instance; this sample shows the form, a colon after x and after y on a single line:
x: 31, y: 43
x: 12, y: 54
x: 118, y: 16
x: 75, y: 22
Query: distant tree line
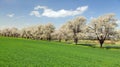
x: 100, y: 28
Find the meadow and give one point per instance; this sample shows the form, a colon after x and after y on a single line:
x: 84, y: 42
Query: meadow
x: 18, y: 52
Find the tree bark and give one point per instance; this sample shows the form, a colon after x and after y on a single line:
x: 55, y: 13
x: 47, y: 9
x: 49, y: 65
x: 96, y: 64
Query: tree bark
x: 66, y: 40
x: 49, y: 38
x: 101, y: 41
x: 76, y: 40
x: 59, y: 40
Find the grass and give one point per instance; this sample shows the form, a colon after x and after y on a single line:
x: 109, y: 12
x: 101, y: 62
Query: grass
x: 16, y: 52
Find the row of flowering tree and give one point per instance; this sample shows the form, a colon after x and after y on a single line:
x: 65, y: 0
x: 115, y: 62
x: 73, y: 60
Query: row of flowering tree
x: 100, y: 28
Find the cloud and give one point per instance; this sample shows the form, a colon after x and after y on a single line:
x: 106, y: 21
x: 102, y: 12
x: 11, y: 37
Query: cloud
x: 11, y: 15
x: 40, y: 7
x: 47, y: 12
x: 35, y: 13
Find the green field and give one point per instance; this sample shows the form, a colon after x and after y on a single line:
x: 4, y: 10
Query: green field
x: 16, y: 52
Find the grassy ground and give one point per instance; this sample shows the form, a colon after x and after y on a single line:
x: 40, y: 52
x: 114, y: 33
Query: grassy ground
x: 29, y: 53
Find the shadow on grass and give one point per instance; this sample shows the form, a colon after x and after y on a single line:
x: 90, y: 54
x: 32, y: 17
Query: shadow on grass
x: 112, y: 47
x: 106, y: 47
x: 89, y: 45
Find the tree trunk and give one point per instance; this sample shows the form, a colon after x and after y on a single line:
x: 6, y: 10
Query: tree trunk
x: 101, y: 41
x: 49, y: 38
x: 59, y: 40
x: 76, y: 40
x: 66, y: 40
x: 41, y: 38
x: 75, y: 37
x: 101, y: 45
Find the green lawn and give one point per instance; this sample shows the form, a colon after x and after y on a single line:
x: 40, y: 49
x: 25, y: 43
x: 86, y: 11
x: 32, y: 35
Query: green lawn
x: 30, y: 53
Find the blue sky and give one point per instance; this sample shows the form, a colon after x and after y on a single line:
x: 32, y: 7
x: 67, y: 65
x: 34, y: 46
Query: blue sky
x: 22, y: 13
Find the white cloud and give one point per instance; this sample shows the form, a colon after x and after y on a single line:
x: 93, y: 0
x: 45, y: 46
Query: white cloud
x: 40, y: 7
x: 11, y: 15
x: 60, y: 13
x: 35, y: 13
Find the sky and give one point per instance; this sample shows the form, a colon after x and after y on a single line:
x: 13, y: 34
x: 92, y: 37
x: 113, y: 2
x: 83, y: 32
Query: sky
x: 23, y: 13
